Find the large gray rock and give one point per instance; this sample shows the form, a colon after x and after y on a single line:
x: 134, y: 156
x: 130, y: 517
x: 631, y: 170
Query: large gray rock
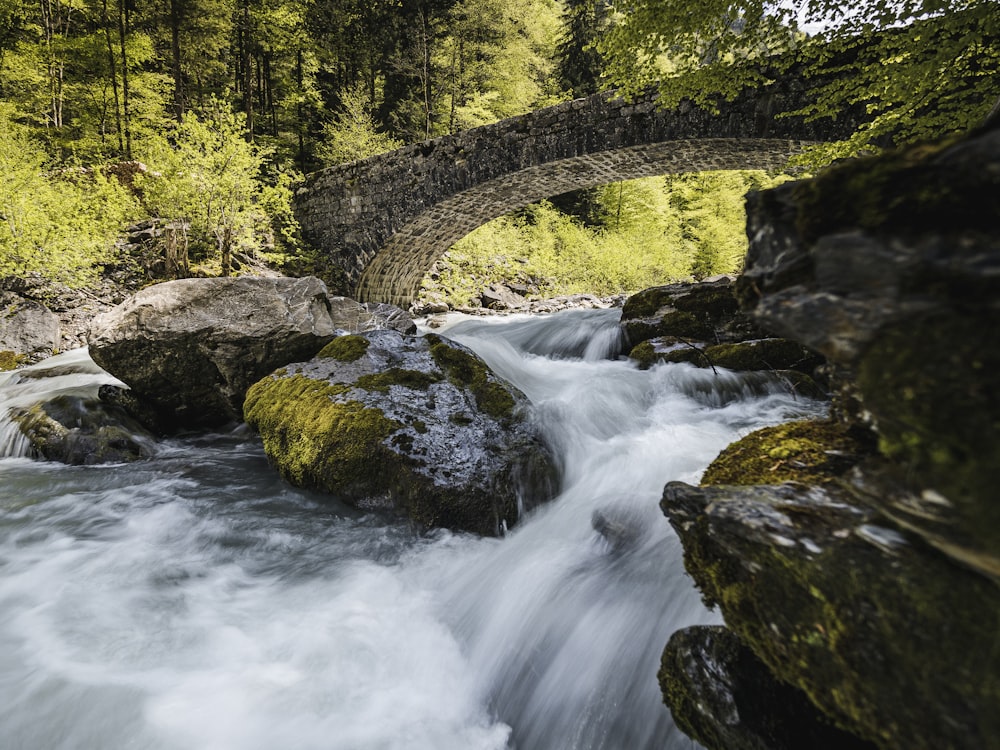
x: 890, y: 267
x: 29, y: 331
x: 721, y: 694
x: 891, y: 640
x: 385, y: 420
x: 190, y: 348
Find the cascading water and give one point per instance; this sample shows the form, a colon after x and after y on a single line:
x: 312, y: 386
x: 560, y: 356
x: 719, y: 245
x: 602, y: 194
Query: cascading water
x: 70, y: 374
x: 195, y: 601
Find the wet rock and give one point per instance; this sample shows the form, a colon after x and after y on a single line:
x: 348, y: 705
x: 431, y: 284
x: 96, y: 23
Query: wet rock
x: 757, y: 354
x: 420, y: 424
x: 189, y: 349
x: 886, y: 636
x: 500, y: 297
x: 383, y: 315
x: 890, y: 267
x: 83, y: 430
x: 701, y: 312
x: 812, y: 452
x: 29, y: 331
x: 723, y: 696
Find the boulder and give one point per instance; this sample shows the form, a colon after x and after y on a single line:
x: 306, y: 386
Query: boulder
x: 890, y: 267
x: 886, y: 637
x: 723, y: 696
x: 29, y: 331
x: 501, y: 297
x: 754, y: 354
x: 701, y: 312
x: 76, y: 429
x: 419, y: 424
x: 190, y: 348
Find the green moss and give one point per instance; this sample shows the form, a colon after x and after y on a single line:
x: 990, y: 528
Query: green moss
x: 317, y: 439
x: 345, y: 348
x: 9, y: 360
x: 645, y: 354
x: 645, y: 303
x: 381, y: 381
x: 691, y: 354
x: 931, y: 385
x: 764, y: 354
x: 808, y: 452
x: 889, y: 644
x: 899, y: 192
x: 465, y: 370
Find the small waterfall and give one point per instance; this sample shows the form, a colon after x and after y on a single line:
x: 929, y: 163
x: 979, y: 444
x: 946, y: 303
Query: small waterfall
x: 73, y: 374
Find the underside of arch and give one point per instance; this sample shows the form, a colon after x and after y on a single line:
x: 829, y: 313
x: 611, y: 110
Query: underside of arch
x: 395, y: 272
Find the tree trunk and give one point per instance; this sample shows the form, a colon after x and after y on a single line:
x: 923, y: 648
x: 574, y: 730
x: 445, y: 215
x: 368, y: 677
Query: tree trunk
x: 175, y: 63
x: 122, y: 31
x: 246, y: 63
x: 113, y: 69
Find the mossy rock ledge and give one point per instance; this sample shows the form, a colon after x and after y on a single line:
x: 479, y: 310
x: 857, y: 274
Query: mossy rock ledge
x: 699, y: 312
x: 725, y: 697
x: 419, y: 424
x: 859, y: 559
x: 890, y: 267
x: 891, y: 640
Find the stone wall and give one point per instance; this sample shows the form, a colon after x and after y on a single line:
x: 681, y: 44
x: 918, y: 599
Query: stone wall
x: 385, y: 219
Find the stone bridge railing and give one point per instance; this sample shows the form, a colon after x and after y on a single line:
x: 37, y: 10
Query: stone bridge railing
x: 386, y: 219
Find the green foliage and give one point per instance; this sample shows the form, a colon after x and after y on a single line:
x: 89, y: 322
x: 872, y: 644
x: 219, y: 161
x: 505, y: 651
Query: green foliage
x: 497, y: 58
x: 920, y: 69
x: 580, y: 61
x: 60, y: 224
x: 352, y: 134
x: 209, y: 178
x: 648, y: 232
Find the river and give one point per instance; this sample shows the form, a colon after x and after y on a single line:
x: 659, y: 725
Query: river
x: 194, y: 601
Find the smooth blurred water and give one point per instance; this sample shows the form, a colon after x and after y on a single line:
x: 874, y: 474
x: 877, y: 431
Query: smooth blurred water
x: 195, y: 601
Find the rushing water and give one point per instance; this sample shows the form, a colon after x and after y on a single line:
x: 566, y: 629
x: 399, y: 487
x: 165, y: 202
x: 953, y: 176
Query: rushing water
x: 194, y: 601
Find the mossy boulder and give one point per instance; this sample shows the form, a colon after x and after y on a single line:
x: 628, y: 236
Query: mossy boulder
x: 723, y: 696
x: 756, y: 354
x: 189, y: 349
x: 75, y: 429
x: 705, y: 311
x: 811, y: 452
x: 889, y: 638
x: 888, y: 267
x: 419, y: 424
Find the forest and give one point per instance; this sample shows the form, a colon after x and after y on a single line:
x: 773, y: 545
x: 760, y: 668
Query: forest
x: 203, y: 114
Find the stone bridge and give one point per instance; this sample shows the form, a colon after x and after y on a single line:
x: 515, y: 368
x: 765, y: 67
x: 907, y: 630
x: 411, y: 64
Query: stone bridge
x: 386, y: 219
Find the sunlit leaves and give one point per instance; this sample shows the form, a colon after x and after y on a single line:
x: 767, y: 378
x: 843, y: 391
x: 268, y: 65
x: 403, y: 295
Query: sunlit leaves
x: 921, y: 68
x: 61, y: 223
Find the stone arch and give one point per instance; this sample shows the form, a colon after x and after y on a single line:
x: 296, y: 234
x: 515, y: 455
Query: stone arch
x: 386, y: 219
x: 395, y: 272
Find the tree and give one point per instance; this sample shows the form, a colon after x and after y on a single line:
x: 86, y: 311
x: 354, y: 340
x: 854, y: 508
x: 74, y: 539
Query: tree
x: 352, y: 134
x: 207, y: 178
x: 580, y: 61
x: 922, y: 68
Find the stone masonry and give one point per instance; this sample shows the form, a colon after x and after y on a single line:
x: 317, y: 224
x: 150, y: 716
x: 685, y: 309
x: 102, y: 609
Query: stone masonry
x: 387, y: 218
